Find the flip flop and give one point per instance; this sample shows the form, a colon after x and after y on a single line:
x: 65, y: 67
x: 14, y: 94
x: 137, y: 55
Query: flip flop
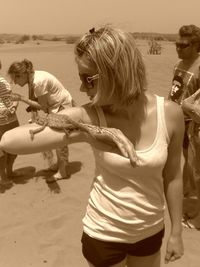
x: 187, y: 224
x: 187, y: 216
x: 53, y: 179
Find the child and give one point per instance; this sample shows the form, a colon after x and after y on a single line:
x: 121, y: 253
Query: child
x: 8, y: 121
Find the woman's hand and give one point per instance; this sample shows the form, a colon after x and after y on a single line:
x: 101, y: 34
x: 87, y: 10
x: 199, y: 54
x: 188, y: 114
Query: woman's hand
x: 13, y: 109
x: 174, y: 249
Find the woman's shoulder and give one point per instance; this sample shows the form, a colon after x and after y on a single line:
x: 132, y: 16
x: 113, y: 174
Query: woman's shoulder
x: 40, y: 75
x: 172, y: 108
x: 174, y: 116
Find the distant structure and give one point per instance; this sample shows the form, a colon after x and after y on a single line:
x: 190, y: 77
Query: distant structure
x: 154, y: 47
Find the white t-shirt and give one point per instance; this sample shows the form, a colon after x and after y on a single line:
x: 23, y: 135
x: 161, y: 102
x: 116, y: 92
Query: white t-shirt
x: 45, y: 84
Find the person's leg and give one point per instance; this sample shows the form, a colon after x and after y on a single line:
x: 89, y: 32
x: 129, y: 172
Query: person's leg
x: 195, y: 221
x: 120, y: 264
x: 62, y: 155
x: 9, y: 164
x: 186, y: 174
x: 4, y: 179
x: 145, y: 261
x: 188, y: 182
x: 100, y: 253
x: 63, y: 163
x: 189, y: 188
x: 50, y: 159
x: 9, y: 157
x: 3, y: 167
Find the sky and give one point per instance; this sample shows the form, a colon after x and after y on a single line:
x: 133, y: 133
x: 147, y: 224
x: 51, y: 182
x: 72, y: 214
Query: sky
x: 78, y: 16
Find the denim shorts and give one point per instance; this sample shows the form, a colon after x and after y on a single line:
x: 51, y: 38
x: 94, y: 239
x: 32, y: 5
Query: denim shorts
x: 104, y: 254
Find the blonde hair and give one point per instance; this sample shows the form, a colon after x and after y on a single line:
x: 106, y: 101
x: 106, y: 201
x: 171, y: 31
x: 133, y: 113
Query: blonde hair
x: 122, y: 75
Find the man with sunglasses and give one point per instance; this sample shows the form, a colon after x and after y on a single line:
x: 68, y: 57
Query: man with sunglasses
x: 186, y: 81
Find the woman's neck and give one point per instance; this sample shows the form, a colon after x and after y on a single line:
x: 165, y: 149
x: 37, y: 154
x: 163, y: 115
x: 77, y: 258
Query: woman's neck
x: 136, y: 108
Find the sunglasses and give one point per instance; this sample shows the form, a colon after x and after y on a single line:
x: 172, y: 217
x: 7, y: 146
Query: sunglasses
x: 88, y: 80
x: 182, y: 45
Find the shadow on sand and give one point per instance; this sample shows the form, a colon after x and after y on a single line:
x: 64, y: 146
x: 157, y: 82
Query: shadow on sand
x: 52, y: 183
x: 23, y: 175
x: 20, y: 176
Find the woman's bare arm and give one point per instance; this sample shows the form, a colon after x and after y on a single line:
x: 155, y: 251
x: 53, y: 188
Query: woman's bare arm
x: 173, y: 180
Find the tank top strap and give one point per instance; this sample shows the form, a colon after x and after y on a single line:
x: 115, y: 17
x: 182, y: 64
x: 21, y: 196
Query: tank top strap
x: 162, y: 127
x: 101, y: 116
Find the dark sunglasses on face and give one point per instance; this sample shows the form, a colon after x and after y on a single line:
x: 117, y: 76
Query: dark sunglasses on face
x: 88, y: 80
x: 182, y: 45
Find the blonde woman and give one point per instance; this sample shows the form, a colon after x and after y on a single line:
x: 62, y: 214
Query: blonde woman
x: 124, y: 220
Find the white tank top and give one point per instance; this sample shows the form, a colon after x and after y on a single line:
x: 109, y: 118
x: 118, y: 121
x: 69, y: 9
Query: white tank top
x: 126, y: 204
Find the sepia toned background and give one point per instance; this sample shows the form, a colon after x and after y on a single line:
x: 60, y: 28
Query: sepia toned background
x: 40, y: 224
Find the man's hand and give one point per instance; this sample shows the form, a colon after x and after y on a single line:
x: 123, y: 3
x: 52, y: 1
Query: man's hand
x: 191, y: 99
x: 195, y: 114
x: 191, y: 106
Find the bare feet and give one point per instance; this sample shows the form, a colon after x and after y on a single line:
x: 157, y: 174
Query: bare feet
x: 62, y: 173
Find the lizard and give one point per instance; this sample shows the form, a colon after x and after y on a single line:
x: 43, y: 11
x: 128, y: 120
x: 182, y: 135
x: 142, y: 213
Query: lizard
x: 64, y: 122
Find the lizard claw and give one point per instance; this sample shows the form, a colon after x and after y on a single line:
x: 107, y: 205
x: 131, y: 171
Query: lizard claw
x: 127, y: 150
x: 31, y: 134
